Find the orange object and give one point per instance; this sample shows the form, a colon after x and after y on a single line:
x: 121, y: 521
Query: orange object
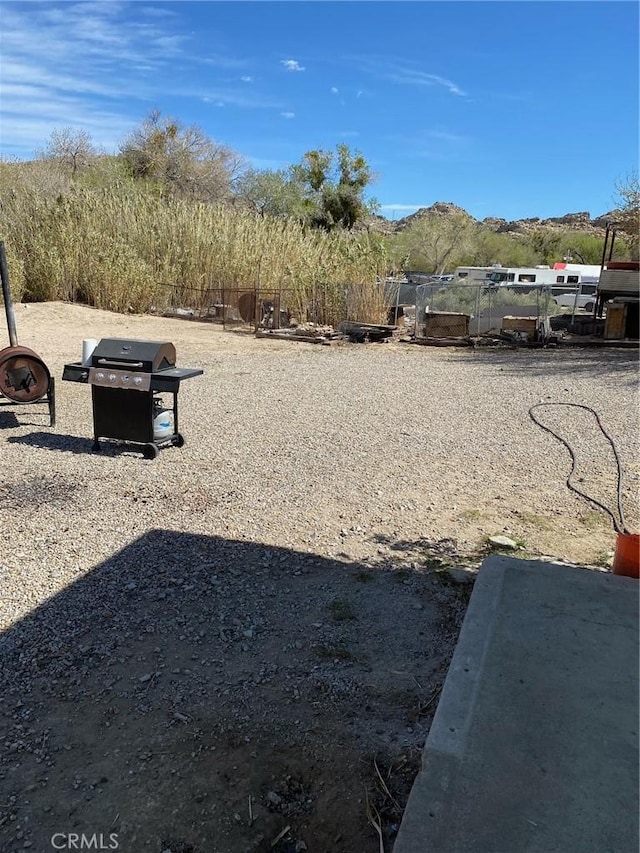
x: 626, y: 560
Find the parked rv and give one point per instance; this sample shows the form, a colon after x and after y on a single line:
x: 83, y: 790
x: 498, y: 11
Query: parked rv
x: 561, y: 278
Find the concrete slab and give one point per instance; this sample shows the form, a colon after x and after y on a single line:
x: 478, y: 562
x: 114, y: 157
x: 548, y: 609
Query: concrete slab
x: 534, y: 745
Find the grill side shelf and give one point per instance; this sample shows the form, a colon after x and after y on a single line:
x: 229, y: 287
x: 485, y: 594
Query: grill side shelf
x: 169, y: 380
x: 180, y: 372
x: 75, y: 372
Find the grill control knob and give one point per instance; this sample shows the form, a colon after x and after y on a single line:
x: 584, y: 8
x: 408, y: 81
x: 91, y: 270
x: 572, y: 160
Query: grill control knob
x: 137, y: 380
x: 125, y: 378
x: 100, y: 375
x: 112, y: 377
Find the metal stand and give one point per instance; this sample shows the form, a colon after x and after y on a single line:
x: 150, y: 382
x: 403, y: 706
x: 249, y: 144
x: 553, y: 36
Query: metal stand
x: 149, y: 446
x: 24, y: 373
x: 49, y: 399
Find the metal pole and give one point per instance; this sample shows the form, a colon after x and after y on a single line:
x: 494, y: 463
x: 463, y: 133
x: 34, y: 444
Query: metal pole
x: 8, y: 302
x: 604, y: 248
x: 395, y: 320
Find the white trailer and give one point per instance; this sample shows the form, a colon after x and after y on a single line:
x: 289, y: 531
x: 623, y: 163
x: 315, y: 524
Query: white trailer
x: 562, y: 277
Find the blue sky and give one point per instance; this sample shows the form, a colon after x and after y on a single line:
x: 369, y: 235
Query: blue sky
x: 509, y: 109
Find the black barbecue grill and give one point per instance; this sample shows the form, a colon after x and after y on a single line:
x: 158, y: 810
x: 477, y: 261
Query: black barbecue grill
x: 125, y: 376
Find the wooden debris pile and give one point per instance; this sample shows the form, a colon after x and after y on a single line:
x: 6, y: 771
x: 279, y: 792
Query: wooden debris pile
x: 311, y: 333
x: 461, y: 341
x: 361, y: 332
x: 315, y: 334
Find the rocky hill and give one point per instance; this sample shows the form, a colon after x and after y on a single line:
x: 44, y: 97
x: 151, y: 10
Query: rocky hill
x: 581, y: 221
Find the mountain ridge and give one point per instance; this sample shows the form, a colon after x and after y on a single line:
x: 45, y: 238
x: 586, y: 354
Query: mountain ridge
x: 579, y: 221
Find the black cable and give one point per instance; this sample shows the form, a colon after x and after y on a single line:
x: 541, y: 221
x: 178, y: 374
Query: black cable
x: 619, y: 528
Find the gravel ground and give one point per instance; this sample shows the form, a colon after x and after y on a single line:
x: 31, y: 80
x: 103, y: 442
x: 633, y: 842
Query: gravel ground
x: 206, y: 648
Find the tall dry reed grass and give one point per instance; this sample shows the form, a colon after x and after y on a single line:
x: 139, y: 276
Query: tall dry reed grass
x: 115, y: 247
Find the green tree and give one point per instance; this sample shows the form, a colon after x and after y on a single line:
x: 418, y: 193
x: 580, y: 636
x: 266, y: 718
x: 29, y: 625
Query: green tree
x: 487, y: 247
x: 433, y: 243
x: 181, y: 159
x: 334, y: 185
x: 271, y: 193
x: 582, y: 248
x: 546, y: 244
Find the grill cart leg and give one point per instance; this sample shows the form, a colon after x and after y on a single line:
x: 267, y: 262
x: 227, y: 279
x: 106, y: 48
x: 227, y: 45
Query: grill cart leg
x: 51, y: 400
x: 178, y: 439
x: 175, y: 412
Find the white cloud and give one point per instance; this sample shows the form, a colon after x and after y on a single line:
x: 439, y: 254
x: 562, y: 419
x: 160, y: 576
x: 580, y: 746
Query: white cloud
x: 393, y: 207
x: 413, y: 77
x: 292, y: 65
x: 405, y: 73
x: 29, y: 132
x: 247, y: 79
x: 334, y: 90
x: 288, y: 115
x: 94, y: 66
x: 452, y: 87
x: 228, y: 97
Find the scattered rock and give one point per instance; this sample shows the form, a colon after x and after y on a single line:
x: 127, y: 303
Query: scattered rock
x: 504, y: 542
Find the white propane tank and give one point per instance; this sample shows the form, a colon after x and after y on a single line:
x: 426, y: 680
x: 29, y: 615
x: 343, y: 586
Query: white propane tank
x: 162, y: 420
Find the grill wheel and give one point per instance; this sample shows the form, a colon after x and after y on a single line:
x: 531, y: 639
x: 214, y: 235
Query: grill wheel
x: 24, y: 377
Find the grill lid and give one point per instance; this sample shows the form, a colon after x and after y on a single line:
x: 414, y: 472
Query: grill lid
x: 145, y: 356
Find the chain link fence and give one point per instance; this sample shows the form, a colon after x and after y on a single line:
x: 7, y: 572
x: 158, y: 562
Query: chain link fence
x: 434, y: 310
x: 275, y: 308
x: 230, y: 307
x: 458, y: 310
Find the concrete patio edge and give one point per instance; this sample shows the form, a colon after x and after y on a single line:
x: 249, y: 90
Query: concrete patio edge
x: 534, y: 742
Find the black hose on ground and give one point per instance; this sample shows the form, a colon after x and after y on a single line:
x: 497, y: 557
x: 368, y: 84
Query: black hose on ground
x: 619, y: 528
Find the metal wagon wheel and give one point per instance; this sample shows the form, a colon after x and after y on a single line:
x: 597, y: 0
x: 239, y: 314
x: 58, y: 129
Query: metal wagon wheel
x: 24, y: 377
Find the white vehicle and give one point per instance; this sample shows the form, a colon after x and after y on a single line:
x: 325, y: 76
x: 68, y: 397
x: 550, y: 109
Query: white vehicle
x: 473, y: 275
x: 584, y: 296
x: 561, y: 277
x: 585, y: 272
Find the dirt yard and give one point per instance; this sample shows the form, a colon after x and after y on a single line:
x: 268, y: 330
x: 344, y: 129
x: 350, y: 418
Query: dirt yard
x: 238, y: 647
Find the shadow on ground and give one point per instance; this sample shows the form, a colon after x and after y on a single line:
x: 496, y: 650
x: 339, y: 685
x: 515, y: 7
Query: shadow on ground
x: 23, y: 415
x: 598, y: 363
x: 57, y: 441
x: 8, y: 420
x: 197, y: 694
